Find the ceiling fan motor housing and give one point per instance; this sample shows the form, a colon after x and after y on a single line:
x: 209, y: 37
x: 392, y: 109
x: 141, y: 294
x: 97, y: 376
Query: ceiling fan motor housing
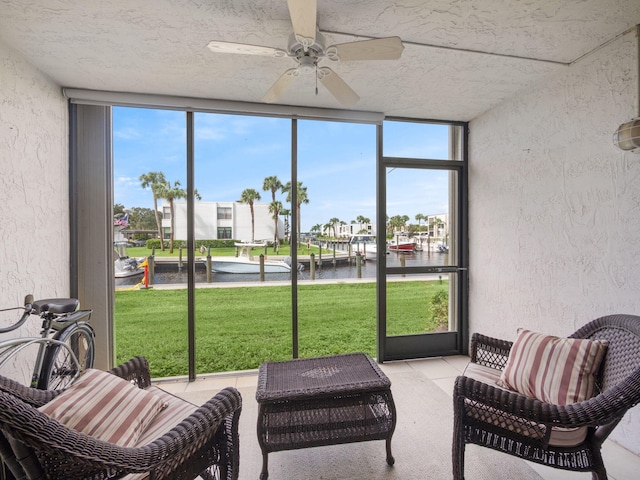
x: 307, y: 58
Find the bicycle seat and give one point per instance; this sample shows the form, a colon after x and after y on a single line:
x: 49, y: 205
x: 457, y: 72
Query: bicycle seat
x: 56, y: 305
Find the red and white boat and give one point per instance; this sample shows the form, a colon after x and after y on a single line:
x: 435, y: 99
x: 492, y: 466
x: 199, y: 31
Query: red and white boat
x: 401, y: 243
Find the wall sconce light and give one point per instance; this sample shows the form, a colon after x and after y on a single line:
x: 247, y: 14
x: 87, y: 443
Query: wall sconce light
x: 627, y: 136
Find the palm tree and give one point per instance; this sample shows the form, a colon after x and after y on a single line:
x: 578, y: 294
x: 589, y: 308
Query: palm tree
x: 362, y: 220
x: 317, y: 228
x: 333, y: 222
x: 275, y: 208
x: 302, y: 197
x: 152, y: 180
x: 172, y: 193
x: 419, y: 218
x: 248, y: 196
x: 398, y: 222
x: 272, y: 184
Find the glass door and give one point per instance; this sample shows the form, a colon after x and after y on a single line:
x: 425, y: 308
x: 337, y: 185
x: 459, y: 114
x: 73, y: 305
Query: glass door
x: 422, y: 270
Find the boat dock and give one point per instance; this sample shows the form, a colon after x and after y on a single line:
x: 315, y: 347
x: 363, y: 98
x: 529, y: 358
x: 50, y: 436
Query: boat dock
x: 340, y: 258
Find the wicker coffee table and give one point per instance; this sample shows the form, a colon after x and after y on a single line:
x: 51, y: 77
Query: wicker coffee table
x: 323, y: 401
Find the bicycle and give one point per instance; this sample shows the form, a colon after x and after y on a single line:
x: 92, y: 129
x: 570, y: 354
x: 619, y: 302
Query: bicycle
x: 66, y: 345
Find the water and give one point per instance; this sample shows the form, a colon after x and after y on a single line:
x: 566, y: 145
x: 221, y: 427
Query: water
x: 170, y: 275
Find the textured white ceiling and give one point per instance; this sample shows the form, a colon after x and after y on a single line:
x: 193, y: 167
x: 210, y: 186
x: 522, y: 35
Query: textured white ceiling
x: 159, y: 47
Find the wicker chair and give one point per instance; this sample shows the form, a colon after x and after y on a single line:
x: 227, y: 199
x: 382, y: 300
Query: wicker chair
x: 34, y: 446
x: 489, y: 416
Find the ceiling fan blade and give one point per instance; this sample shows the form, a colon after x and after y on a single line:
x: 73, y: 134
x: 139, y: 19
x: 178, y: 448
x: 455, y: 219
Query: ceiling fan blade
x: 279, y: 88
x: 303, y: 18
x: 245, y: 49
x: 338, y: 88
x: 389, y: 48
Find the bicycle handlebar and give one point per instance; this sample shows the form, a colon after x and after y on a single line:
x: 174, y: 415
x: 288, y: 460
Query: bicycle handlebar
x: 18, y: 324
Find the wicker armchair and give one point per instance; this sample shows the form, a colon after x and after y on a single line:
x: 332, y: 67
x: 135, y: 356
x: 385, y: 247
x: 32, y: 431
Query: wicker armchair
x: 32, y: 445
x: 511, y: 423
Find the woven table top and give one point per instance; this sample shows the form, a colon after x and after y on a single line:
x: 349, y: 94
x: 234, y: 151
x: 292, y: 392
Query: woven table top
x: 319, y: 377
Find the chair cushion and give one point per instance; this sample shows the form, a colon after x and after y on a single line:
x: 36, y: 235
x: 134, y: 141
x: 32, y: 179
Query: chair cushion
x: 176, y: 411
x: 554, y: 370
x: 105, y: 407
x: 559, y: 437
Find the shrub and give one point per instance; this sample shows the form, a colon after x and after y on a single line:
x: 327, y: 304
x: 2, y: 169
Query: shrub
x: 440, y: 310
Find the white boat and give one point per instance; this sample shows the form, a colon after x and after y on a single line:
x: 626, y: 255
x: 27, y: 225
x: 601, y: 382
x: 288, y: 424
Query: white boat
x: 365, y: 245
x: 126, y: 266
x: 245, y: 262
x: 424, y: 242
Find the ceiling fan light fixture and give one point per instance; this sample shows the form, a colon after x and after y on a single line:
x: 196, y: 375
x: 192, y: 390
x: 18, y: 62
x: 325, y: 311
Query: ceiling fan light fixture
x: 627, y: 136
x: 308, y: 64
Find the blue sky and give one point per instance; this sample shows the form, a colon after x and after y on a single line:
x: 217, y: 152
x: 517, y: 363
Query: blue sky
x: 336, y: 161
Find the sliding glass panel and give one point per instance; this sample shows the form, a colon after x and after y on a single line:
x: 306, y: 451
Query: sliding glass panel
x: 243, y: 317
x: 149, y: 158
x: 337, y: 295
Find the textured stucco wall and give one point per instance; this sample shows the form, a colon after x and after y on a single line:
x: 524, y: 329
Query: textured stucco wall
x: 34, y: 212
x: 555, y: 208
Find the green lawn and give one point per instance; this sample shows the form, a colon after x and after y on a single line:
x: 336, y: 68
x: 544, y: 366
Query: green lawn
x: 239, y: 328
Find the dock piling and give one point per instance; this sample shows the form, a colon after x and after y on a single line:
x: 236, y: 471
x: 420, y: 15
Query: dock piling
x: 312, y: 266
x: 151, y: 267
x: 262, y: 267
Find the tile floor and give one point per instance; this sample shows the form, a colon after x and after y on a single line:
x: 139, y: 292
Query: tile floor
x: 621, y: 463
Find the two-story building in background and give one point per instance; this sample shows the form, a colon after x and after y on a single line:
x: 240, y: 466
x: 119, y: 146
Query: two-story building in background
x: 223, y: 220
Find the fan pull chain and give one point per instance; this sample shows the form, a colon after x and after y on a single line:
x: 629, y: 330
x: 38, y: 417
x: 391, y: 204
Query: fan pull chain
x: 316, y: 80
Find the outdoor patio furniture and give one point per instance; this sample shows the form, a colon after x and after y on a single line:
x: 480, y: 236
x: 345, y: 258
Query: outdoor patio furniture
x: 566, y: 436
x: 323, y: 401
x: 181, y: 441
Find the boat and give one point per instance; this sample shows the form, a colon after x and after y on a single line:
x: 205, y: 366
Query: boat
x: 365, y: 245
x: 245, y: 262
x: 125, y: 266
x: 424, y: 242
x: 442, y: 248
x: 401, y: 243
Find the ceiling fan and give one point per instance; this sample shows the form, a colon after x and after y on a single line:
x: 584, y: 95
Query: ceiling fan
x: 307, y: 48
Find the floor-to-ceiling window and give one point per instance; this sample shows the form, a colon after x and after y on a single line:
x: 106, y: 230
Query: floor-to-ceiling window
x: 149, y: 184
x: 336, y: 173
x: 242, y: 162
x: 308, y: 191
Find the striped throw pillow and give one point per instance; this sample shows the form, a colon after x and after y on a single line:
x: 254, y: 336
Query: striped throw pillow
x: 105, y: 407
x: 552, y: 369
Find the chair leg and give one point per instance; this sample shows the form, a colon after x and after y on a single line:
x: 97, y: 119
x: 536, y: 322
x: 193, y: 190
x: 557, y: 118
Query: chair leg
x: 599, y: 475
x: 599, y: 472
x: 458, y: 446
x: 264, y: 474
x: 458, y: 459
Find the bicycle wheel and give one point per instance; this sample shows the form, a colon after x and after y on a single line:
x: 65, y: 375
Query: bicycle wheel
x: 58, y: 368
